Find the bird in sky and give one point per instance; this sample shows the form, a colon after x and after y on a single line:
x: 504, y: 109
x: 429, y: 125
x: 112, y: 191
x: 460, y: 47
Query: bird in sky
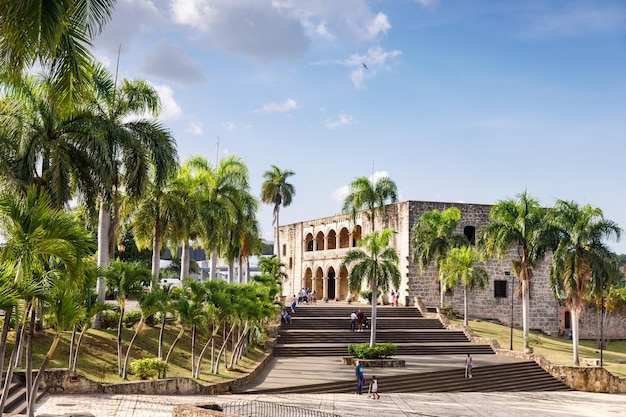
x: 365, y: 65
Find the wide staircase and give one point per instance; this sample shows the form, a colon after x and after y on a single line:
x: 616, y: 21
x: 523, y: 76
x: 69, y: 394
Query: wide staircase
x: 324, y: 331
x: 16, y: 399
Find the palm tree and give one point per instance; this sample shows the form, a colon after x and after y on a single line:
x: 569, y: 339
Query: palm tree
x: 149, y: 306
x: 581, y: 261
x: 56, y: 34
x: 433, y: 237
x: 459, y: 267
x: 370, y: 196
x: 125, y: 280
x: 277, y: 191
x: 272, y: 267
x: 133, y: 150
x: 520, y: 225
x: 377, y: 262
x: 53, y: 142
x: 42, y: 245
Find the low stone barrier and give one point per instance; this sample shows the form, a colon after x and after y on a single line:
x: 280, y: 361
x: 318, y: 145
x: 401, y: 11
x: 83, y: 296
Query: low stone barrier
x: 195, y: 411
x: 374, y: 363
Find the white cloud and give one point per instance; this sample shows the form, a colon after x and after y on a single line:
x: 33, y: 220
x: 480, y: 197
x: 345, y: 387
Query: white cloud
x: 194, y: 128
x: 286, y: 106
x: 342, y: 192
x: 170, y: 108
x: 230, y: 126
x: 376, y: 59
x: 428, y: 4
x: 380, y: 24
x: 342, y: 120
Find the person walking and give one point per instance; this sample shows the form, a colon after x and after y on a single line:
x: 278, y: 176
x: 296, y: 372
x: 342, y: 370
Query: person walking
x: 374, y: 388
x: 468, y: 366
x: 359, y: 377
x: 352, y: 321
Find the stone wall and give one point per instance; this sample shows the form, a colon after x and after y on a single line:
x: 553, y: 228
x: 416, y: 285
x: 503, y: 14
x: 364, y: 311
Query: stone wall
x: 194, y: 411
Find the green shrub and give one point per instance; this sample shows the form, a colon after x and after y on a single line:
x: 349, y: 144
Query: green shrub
x: 149, y: 368
x: 131, y: 318
x: 109, y: 319
x: 379, y: 351
x: 367, y: 294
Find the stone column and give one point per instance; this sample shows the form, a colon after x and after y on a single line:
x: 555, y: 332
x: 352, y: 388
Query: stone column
x: 337, y: 287
x: 325, y: 290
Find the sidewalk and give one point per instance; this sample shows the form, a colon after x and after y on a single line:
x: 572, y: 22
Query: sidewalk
x: 540, y: 404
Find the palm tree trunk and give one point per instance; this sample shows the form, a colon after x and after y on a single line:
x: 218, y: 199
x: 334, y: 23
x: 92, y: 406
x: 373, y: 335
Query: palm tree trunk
x: 575, y: 311
x: 178, y: 337
x: 29, y: 354
x: 156, y: 253
x: 161, y: 333
x: 223, y: 349
x: 525, y: 311
x: 83, y: 330
x: 240, y: 271
x: 130, y: 346
x: 119, y: 341
x: 465, y: 306
x: 9, y: 374
x: 72, y: 344
x: 6, y: 326
x: 373, y: 318
x: 442, y: 291
x: 277, y: 246
x: 204, y: 349
x: 213, y: 266
x: 40, y: 374
x: 231, y: 271
x: 104, y: 224
x: 184, y: 260
x: 194, y: 329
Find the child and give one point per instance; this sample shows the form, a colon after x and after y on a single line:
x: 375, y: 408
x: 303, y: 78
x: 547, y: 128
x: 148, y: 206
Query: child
x: 374, y: 387
x: 468, y: 366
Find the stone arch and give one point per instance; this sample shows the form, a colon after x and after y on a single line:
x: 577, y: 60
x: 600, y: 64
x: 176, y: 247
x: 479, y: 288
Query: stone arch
x: 308, y: 242
x: 344, y: 238
x: 318, y: 280
x: 308, y: 278
x: 344, y: 289
x: 331, y: 240
x: 356, y: 235
x: 319, y: 241
x: 332, y: 289
x: 470, y: 234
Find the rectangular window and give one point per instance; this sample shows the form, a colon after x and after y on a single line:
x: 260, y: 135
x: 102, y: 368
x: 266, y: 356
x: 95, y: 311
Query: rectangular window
x: 284, y: 250
x: 290, y: 262
x: 499, y: 288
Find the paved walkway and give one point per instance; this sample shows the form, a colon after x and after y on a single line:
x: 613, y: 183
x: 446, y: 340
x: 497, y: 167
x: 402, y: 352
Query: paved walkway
x: 540, y: 404
x: 294, y: 371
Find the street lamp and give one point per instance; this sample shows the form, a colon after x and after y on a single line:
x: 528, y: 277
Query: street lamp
x: 509, y: 273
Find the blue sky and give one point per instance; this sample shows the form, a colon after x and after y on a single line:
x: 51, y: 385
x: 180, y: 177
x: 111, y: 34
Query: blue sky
x: 462, y: 100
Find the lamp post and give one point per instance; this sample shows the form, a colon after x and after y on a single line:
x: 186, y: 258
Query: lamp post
x: 508, y: 273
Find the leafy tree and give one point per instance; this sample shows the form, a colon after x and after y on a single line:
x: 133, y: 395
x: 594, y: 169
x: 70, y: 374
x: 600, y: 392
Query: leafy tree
x: 370, y: 196
x: 272, y: 267
x: 132, y: 149
x: 459, y: 267
x: 277, y: 191
x: 55, y: 34
x: 523, y: 226
x: 377, y: 262
x: 582, y: 262
x: 433, y: 237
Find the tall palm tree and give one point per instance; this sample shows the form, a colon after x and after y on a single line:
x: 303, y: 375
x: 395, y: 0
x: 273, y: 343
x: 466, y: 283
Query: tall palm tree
x: 370, y: 196
x: 581, y: 261
x: 133, y: 150
x: 433, y: 237
x: 376, y: 262
x: 277, y: 191
x: 55, y: 34
x: 519, y: 226
x: 459, y: 267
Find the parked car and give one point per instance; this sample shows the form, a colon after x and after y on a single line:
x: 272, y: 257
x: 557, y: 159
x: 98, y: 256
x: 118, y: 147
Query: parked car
x: 171, y: 282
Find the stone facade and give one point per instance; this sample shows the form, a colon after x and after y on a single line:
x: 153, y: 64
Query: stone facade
x: 313, y: 250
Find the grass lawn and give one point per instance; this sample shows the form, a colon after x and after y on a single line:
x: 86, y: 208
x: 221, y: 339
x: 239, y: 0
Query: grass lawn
x: 557, y: 350
x: 98, y: 354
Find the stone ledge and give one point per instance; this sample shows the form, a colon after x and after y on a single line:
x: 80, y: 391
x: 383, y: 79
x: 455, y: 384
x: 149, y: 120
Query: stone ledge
x: 374, y: 363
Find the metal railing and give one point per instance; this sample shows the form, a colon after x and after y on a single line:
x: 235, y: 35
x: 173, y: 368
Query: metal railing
x: 270, y: 409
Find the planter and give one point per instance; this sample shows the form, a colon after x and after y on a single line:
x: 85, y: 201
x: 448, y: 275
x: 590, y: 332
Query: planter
x: 374, y: 363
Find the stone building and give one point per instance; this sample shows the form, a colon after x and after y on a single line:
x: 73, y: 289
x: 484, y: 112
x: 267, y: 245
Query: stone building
x: 313, y: 251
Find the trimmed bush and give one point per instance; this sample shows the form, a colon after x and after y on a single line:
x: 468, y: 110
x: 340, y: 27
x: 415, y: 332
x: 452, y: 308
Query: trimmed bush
x: 367, y: 294
x: 379, y: 351
x: 149, y: 368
